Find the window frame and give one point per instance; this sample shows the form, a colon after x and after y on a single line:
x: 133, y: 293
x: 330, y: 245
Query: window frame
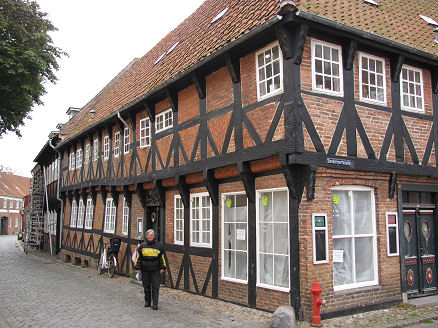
x: 89, y: 214
x: 258, y: 199
x: 147, y: 133
x: 390, y: 225
x: 352, y: 188
x: 87, y: 153
x: 79, y: 155
x: 223, y: 201
x: 81, y: 214
x: 162, y: 115
x: 258, y: 82
x: 403, y: 106
x: 95, y: 149
x: 73, y: 213
x: 125, y: 218
x: 200, y: 243
x: 116, y: 144
x: 126, y: 143
x: 315, y: 42
x: 325, y: 229
x: 375, y: 58
x: 106, y: 147
x: 175, y: 219
x: 72, y: 161
x: 110, y: 216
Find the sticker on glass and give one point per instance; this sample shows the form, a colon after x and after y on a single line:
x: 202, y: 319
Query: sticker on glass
x: 336, y: 199
x: 265, y: 200
x: 229, y: 202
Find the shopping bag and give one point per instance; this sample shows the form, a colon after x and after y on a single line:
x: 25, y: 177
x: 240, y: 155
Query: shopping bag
x: 134, y: 256
x: 138, y: 276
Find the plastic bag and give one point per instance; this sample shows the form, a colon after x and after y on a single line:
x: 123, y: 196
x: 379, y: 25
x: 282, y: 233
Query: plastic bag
x: 134, y: 256
x: 138, y: 276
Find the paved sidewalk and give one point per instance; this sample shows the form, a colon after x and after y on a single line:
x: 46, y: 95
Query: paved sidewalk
x: 181, y: 309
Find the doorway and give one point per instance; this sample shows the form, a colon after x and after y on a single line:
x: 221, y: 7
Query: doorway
x: 3, y: 226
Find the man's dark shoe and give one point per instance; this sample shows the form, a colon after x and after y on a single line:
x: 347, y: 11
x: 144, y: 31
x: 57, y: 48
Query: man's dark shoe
x: 147, y: 304
x: 155, y: 307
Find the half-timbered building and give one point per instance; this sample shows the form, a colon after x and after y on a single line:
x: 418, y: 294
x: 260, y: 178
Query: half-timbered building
x: 269, y: 144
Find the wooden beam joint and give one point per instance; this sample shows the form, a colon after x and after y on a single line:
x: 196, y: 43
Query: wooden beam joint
x: 248, y: 180
x: 173, y: 99
x: 212, y: 185
x: 233, y: 65
x: 200, y: 84
x: 183, y: 189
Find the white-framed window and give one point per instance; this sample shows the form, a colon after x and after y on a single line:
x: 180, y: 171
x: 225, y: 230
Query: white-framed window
x: 10, y: 223
x: 326, y: 67
x: 106, y: 147
x: 164, y: 120
x: 411, y: 89
x: 235, y: 237
x: 200, y: 220
x: 79, y: 154
x: 392, y: 233
x: 139, y: 227
x: 145, y: 132
x: 72, y: 163
x: 273, y: 239
x: 16, y: 223
x: 89, y: 210
x: 17, y: 204
x: 87, y: 153
x: 126, y: 141
x: 372, y: 78
x: 269, y: 71
x: 95, y: 149
x: 116, y: 144
x: 178, y: 224
x: 81, y: 214
x: 73, y: 214
x: 125, y: 217
x: 110, y: 216
x: 5, y: 203
x: 354, y: 237
x: 320, y: 238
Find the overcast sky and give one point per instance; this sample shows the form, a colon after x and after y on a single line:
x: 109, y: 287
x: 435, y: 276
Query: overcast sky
x: 101, y: 38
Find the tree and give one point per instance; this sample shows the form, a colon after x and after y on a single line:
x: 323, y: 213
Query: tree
x: 28, y: 60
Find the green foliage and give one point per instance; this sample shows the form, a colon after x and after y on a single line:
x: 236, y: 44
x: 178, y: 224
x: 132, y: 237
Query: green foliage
x: 27, y: 60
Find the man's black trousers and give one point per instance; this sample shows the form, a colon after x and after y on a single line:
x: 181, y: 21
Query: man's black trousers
x: 151, y: 282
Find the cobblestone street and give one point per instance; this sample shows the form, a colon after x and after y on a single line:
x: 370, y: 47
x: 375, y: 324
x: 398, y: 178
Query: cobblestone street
x: 40, y: 291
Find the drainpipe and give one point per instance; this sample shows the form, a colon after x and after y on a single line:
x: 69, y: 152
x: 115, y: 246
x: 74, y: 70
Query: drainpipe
x: 47, y: 207
x: 57, y: 194
x: 121, y: 119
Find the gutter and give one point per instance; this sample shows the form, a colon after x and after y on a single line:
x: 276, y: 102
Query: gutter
x: 57, y: 193
x: 366, y: 35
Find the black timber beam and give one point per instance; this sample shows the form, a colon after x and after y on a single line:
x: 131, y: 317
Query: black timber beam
x: 349, y: 54
x: 392, y: 185
x: 310, y: 184
x: 183, y: 189
x: 128, y: 196
x: 160, y: 192
x: 114, y: 195
x: 200, y: 84
x: 141, y: 193
x: 212, y: 186
x: 233, y: 66
x: 172, y: 96
x: 150, y: 109
x: 248, y: 180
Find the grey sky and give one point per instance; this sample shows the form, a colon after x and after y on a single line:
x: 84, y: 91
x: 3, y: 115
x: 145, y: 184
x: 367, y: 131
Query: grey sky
x: 101, y: 38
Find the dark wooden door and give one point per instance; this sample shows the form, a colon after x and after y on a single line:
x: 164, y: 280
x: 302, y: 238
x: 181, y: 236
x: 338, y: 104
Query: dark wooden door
x: 418, y: 252
x: 153, y: 221
x: 3, y: 228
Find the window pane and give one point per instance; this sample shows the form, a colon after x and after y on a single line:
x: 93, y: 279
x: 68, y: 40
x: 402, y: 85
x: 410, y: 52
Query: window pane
x: 275, y: 52
x: 362, y: 212
x: 265, y: 240
x: 280, y: 206
x: 343, y: 271
x: 265, y: 207
x: 241, y: 265
x: 364, y: 259
x: 229, y: 264
x: 266, y: 269
x: 241, y: 236
x: 260, y: 60
x: 281, y: 271
x: 318, y: 66
x: 281, y: 240
x: 341, y: 213
x: 318, y: 51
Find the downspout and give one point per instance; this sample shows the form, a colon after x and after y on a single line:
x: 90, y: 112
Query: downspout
x: 57, y: 194
x: 121, y: 119
x: 47, y: 206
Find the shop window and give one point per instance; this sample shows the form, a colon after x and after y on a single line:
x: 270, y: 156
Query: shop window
x: 411, y: 89
x: 200, y: 220
x: 89, y: 214
x: 179, y: 221
x: 269, y: 71
x: 73, y: 214
x: 372, y: 78
x: 273, y: 239
x: 234, y: 237
x: 326, y: 67
x: 392, y: 233
x: 354, y: 237
x: 110, y: 216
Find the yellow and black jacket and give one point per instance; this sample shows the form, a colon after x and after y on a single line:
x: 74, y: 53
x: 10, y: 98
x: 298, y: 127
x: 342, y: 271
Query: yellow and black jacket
x: 150, y: 257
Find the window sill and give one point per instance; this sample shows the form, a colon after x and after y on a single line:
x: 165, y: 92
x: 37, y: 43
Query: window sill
x: 242, y: 282
x: 279, y: 289
x: 413, y: 110
x: 373, y: 102
x: 269, y: 95
x: 353, y: 290
x: 328, y: 92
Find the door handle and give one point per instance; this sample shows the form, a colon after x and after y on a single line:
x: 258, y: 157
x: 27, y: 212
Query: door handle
x: 421, y: 250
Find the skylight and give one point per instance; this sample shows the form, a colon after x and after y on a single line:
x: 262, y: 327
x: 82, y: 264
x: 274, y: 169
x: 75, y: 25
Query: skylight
x: 429, y: 20
x: 171, y: 48
x: 372, y: 2
x: 219, y: 16
x: 159, y: 58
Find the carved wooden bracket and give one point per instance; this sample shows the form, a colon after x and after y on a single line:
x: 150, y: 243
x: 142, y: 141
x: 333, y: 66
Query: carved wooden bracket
x: 173, y: 99
x: 350, y: 53
x: 233, y: 65
x: 248, y: 180
x: 141, y: 194
x: 114, y: 195
x: 128, y: 195
x: 392, y: 185
x: 199, y: 82
x: 160, y: 192
x: 183, y: 189
x: 212, y: 186
x: 150, y: 109
x: 397, y: 67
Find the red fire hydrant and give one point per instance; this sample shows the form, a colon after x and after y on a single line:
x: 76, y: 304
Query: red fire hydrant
x: 317, y: 302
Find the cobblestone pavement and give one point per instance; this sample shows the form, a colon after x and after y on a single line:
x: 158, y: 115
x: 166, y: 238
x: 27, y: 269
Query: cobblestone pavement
x: 37, y: 290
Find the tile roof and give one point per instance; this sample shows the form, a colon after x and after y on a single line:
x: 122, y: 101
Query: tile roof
x: 13, y: 185
x: 397, y: 20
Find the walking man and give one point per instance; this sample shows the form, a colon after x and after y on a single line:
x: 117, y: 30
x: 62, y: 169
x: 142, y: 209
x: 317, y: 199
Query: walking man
x: 150, y: 261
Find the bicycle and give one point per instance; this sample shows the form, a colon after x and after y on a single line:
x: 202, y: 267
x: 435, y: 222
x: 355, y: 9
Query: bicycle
x: 108, y: 259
